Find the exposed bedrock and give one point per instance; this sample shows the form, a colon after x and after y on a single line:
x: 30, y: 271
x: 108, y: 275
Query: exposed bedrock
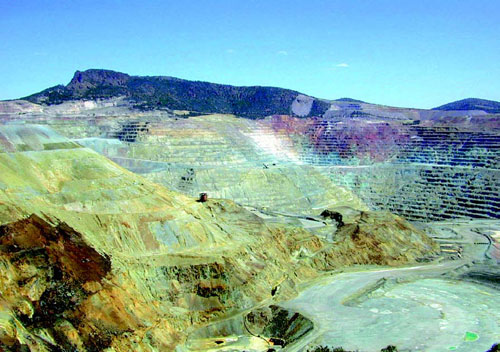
x: 376, y: 237
x: 94, y: 257
x: 423, y: 191
x: 267, y: 327
x: 122, y: 263
x: 61, y: 292
x: 292, y: 188
x: 48, y: 275
x: 423, y: 171
x: 418, y: 169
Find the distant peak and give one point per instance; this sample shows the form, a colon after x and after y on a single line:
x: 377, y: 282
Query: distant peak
x: 160, y: 92
x: 82, y: 79
x: 489, y: 106
x: 350, y: 100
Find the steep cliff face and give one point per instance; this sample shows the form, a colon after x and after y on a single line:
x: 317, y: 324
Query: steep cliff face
x: 95, y: 257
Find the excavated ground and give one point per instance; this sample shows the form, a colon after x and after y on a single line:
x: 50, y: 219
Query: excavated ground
x: 161, y: 264
x: 173, y: 273
x: 447, y: 305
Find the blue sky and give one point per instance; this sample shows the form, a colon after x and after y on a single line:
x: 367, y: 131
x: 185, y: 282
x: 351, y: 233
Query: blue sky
x: 417, y: 53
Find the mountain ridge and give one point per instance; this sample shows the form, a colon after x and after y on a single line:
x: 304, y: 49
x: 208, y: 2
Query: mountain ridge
x: 160, y: 92
x: 171, y: 93
x: 489, y: 106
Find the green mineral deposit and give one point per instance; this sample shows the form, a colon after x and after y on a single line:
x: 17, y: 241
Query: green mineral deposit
x: 470, y: 336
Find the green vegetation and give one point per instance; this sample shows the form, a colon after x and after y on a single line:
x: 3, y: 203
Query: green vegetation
x: 153, y: 93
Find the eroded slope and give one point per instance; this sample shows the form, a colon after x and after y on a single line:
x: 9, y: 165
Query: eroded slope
x: 97, y: 257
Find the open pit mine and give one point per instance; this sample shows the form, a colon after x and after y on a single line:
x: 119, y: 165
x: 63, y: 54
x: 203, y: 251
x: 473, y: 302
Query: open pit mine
x: 158, y: 214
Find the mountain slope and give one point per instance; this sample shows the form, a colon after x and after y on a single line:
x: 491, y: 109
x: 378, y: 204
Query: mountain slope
x: 168, y: 92
x: 489, y: 106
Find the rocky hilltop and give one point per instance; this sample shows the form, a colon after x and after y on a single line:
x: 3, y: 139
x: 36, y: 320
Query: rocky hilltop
x: 490, y: 106
x: 168, y: 92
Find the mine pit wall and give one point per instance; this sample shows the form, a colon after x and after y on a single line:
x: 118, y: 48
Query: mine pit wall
x: 422, y: 191
x: 434, y: 173
x: 366, y: 144
x: 418, y: 171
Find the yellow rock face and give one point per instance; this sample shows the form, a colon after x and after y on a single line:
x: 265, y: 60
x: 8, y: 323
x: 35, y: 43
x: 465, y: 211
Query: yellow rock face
x: 95, y: 257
